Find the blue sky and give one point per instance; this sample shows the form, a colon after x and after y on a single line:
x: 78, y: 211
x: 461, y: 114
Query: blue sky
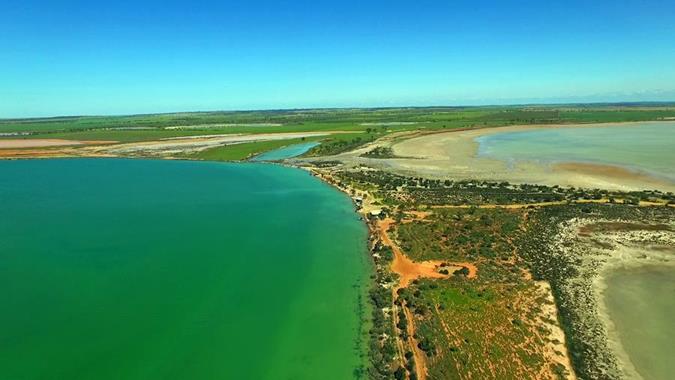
x: 120, y: 57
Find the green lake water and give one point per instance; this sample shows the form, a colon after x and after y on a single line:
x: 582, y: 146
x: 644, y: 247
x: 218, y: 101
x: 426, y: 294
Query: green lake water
x: 641, y: 304
x: 145, y: 269
x: 647, y: 147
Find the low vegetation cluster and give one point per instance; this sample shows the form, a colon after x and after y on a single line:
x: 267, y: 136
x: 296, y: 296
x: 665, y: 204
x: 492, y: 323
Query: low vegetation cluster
x: 473, y: 235
x: 382, y: 345
x: 414, y: 192
x: 492, y: 326
x: 503, y: 323
x: 380, y: 152
x: 488, y: 327
x: 565, y: 247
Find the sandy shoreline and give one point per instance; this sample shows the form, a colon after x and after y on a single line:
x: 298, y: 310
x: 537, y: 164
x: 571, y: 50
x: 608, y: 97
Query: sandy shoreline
x: 594, y: 249
x: 454, y: 154
x: 625, y: 258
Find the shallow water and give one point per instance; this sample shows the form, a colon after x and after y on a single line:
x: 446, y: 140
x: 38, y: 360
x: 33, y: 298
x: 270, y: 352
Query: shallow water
x: 641, y: 304
x: 285, y: 152
x: 645, y: 147
x: 143, y: 269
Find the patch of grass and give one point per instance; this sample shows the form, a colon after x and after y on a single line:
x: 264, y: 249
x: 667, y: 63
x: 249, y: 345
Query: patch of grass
x: 487, y: 327
x: 340, y: 143
x: 477, y: 329
x: 239, y: 152
x: 475, y: 235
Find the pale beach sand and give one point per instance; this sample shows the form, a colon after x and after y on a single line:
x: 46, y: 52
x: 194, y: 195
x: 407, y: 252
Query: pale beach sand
x: 36, y: 143
x: 455, y: 155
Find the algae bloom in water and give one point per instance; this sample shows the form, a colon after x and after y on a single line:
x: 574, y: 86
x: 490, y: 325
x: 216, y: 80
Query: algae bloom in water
x: 124, y: 269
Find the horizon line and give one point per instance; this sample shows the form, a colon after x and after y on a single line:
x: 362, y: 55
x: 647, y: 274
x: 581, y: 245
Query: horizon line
x: 527, y: 104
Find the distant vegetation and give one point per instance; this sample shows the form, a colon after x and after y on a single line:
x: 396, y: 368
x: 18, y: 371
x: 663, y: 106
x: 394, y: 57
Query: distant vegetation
x: 337, y: 144
x: 368, y: 123
x: 239, y: 152
x: 411, y: 192
x: 380, y: 152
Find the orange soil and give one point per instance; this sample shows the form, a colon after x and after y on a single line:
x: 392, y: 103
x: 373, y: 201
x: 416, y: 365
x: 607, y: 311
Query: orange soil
x: 407, y: 269
x: 418, y: 354
x: 419, y: 214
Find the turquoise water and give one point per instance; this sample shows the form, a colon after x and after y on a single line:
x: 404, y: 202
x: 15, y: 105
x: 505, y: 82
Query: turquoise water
x: 648, y: 147
x: 144, y: 269
x: 641, y: 304
x: 285, y: 152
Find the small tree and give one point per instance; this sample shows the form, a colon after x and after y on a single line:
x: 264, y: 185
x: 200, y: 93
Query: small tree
x: 399, y: 374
